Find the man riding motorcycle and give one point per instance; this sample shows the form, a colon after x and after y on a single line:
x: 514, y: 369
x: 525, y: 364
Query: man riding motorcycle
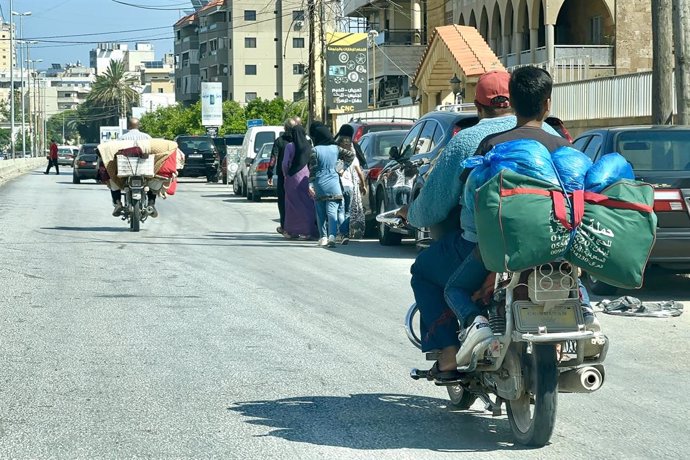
x: 434, y: 267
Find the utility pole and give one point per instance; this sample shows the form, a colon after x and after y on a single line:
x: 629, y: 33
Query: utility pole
x: 662, y: 63
x: 12, y: 79
x: 311, y: 96
x: 681, y: 45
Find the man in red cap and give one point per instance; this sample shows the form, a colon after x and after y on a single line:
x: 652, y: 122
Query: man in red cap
x: 441, y: 194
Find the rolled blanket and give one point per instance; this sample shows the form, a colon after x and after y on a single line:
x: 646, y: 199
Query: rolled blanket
x: 161, y: 149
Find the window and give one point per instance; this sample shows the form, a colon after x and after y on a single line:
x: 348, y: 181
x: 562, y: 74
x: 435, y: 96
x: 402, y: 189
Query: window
x: 581, y: 143
x: 298, y: 43
x: 298, y: 69
x: 160, y: 90
x: 594, y: 146
x: 178, y: 83
x: 250, y: 15
x: 597, y: 36
x: 250, y: 69
x: 410, y: 141
x: 297, y: 96
x: 202, y: 50
x: 213, y: 45
x: 426, y: 140
x: 250, y: 42
x: 296, y: 15
x: 263, y: 137
x: 248, y: 97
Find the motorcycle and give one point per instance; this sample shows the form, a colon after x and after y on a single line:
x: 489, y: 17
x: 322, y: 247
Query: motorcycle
x: 540, y: 347
x: 137, y: 168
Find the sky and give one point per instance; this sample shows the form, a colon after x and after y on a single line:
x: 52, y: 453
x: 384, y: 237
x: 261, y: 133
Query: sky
x: 112, y: 21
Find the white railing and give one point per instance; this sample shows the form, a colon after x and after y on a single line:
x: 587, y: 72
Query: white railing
x: 389, y: 113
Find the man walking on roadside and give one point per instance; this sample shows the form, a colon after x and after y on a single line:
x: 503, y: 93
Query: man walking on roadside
x: 276, y: 164
x: 53, y: 158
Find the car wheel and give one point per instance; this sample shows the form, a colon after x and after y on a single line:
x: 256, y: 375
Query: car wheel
x: 249, y: 193
x: 245, y: 187
x: 75, y: 179
x: 256, y: 196
x: 386, y: 237
x: 236, y: 187
x: 598, y: 287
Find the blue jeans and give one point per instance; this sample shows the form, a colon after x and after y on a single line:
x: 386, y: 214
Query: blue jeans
x: 327, y: 217
x: 467, y: 278
x: 430, y: 273
x: 344, y: 212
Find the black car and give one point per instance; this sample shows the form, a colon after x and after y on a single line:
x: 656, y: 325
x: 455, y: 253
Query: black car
x: 230, y: 143
x: 201, y: 157
x: 376, y: 148
x: 85, y: 163
x: 362, y: 126
x: 659, y: 155
x: 397, y: 184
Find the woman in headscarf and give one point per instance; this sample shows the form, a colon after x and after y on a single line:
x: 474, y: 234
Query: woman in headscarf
x: 300, y: 214
x: 325, y: 181
x: 351, y: 210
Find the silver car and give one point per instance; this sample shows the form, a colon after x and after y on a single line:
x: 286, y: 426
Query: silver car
x: 257, y: 177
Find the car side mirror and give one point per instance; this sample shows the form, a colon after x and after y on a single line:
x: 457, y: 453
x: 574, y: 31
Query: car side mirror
x: 394, y: 153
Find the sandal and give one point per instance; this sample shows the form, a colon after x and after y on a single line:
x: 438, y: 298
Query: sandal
x: 444, y: 376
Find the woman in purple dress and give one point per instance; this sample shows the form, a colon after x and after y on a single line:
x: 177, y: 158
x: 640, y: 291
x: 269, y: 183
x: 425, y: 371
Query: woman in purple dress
x: 300, y: 214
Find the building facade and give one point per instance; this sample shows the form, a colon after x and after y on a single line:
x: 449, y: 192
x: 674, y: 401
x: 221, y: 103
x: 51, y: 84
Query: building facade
x: 254, y: 52
x: 6, y: 50
x: 100, y: 57
x: 576, y: 38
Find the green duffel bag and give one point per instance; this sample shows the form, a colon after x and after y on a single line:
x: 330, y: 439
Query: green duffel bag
x: 523, y: 222
x: 518, y: 230
x: 616, y: 234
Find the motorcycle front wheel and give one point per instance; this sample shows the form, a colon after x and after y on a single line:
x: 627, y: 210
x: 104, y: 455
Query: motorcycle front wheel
x: 136, y: 216
x: 533, y: 416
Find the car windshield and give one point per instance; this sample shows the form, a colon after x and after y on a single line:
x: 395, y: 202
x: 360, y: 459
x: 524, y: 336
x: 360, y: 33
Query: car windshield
x: 262, y: 138
x: 195, y: 144
x: 64, y: 150
x: 89, y: 149
x: 386, y: 141
x: 652, y: 150
x: 386, y: 127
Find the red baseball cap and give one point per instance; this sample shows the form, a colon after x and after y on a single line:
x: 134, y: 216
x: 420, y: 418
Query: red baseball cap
x: 492, y: 85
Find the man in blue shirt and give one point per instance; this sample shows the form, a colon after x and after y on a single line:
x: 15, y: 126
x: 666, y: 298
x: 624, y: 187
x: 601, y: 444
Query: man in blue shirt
x: 441, y: 193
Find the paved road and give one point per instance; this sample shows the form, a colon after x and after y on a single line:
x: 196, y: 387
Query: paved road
x: 208, y: 335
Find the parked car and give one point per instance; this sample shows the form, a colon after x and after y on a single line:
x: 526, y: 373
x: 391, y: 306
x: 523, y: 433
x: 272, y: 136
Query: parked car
x: 255, y: 138
x: 85, y: 163
x: 229, y: 147
x: 376, y: 149
x: 257, y: 183
x: 66, y: 154
x: 400, y: 181
x: 660, y: 155
x: 362, y: 126
x: 201, y: 157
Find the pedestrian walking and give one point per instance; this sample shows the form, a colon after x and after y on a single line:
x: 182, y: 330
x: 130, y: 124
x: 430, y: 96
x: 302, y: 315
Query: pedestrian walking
x: 300, y: 213
x: 53, y: 158
x: 351, y: 211
x: 277, y: 153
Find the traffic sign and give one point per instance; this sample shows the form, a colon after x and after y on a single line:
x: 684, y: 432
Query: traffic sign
x: 255, y: 123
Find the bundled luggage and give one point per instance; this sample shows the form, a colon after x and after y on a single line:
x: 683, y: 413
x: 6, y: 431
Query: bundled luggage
x: 529, y: 212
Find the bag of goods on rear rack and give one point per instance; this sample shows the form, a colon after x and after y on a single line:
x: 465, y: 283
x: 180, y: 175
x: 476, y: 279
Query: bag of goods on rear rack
x: 524, y: 221
x: 134, y: 166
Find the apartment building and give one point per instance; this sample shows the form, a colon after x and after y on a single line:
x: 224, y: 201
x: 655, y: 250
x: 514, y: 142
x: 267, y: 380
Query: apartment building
x: 5, y: 47
x: 253, y: 50
x: 574, y: 38
x: 66, y: 87
x: 100, y: 57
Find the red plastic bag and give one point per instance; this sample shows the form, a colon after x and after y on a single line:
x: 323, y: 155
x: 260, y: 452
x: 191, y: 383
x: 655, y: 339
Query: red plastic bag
x: 169, y: 166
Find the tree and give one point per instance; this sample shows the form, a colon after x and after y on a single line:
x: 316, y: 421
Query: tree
x: 69, y: 120
x: 115, y: 88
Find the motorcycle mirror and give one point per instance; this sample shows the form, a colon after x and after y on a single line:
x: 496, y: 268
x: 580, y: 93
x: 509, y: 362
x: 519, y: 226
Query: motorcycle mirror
x: 394, y: 153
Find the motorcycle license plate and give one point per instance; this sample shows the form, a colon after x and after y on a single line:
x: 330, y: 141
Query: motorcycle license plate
x: 530, y: 317
x: 195, y: 155
x: 136, y: 196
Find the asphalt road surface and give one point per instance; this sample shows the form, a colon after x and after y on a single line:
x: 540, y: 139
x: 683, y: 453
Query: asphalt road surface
x: 208, y: 335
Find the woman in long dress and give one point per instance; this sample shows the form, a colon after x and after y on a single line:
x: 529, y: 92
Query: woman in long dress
x: 300, y: 213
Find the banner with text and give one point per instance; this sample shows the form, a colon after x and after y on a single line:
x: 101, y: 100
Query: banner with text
x: 346, y: 71
x: 211, y: 103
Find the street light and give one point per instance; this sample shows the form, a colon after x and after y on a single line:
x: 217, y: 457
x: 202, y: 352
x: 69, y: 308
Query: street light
x: 21, y: 74
x: 33, y: 115
x: 456, y: 88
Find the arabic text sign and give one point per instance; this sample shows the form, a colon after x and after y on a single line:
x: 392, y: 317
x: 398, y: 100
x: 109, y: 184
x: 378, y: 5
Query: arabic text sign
x: 211, y: 104
x: 347, y: 71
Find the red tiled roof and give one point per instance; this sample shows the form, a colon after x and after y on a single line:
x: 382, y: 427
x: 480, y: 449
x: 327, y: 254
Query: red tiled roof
x: 472, y: 54
x: 187, y: 20
x: 212, y: 4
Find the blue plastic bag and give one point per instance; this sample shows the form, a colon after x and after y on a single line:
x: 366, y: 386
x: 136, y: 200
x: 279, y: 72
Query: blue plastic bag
x: 572, y: 166
x: 524, y: 156
x: 478, y: 177
x: 608, y: 170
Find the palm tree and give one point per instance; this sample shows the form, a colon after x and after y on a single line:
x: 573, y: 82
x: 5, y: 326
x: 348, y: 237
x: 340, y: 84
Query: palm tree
x: 114, y: 89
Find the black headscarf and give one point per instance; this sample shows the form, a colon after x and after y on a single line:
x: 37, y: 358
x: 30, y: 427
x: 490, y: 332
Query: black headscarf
x: 349, y: 131
x: 302, y: 150
x: 320, y: 134
x: 346, y: 130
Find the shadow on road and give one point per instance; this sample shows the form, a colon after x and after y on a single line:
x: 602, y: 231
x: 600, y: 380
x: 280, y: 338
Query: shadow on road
x: 659, y: 286
x: 89, y: 229
x: 378, y: 421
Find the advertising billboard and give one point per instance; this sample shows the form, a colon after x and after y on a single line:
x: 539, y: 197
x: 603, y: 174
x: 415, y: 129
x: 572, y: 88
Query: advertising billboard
x: 347, y: 71
x: 110, y: 133
x: 211, y: 103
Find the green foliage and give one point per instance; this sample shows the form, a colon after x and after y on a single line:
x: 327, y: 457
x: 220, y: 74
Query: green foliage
x: 168, y: 122
x: 91, y: 115
x: 54, y: 125
x: 115, y: 89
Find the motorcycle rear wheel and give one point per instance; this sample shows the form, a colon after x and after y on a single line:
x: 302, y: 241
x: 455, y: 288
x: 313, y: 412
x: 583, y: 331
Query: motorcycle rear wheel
x: 136, y: 216
x: 533, y: 416
x: 460, y: 398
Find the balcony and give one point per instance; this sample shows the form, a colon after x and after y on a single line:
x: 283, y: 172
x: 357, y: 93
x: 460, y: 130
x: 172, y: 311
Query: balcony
x: 593, y: 55
x: 401, y: 37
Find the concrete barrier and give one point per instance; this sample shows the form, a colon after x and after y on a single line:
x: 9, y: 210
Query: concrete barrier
x: 13, y: 168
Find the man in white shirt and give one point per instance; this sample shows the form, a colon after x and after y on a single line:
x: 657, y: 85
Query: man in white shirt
x: 133, y: 133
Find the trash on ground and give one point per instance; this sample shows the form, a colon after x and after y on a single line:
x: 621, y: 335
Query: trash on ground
x: 632, y: 306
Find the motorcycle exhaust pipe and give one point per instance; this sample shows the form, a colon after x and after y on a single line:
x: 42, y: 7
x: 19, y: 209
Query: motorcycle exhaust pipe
x: 149, y: 210
x: 583, y: 380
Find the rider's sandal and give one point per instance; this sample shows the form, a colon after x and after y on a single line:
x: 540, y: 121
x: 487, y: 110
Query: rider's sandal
x: 444, y: 376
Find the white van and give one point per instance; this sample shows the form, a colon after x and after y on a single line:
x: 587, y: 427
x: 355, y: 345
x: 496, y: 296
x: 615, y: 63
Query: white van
x: 253, y: 140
